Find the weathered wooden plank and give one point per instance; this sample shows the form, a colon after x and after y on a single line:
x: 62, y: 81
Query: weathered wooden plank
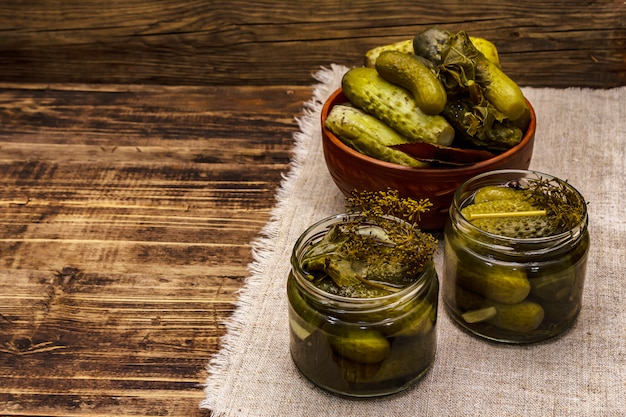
x: 542, y: 43
x: 126, y: 217
x: 124, y: 343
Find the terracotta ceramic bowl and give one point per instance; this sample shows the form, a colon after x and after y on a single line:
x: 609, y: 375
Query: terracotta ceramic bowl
x: 352, y: 170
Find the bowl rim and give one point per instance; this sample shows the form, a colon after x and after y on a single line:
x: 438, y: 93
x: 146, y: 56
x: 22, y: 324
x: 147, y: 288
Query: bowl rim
x: 526, y: 140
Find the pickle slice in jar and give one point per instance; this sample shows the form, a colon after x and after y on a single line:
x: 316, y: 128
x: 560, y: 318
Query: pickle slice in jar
x: 301, y: 328
x: 522, y: 317
x: 303, y: 318
x: 482, y: 314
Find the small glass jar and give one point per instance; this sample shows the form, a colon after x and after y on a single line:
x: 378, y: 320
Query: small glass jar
x: 360, y: 347
x: 509, y: 289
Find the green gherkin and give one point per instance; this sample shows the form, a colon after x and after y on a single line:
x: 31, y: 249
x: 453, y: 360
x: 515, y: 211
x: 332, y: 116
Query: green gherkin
x: 517, y: 227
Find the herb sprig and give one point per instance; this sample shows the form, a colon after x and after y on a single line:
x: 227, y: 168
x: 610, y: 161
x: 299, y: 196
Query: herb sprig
x: 372, y: 251
x: 562, y: 203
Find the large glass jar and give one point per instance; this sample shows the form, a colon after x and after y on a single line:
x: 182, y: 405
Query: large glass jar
x: 360, y: 347
x: 513, y: 289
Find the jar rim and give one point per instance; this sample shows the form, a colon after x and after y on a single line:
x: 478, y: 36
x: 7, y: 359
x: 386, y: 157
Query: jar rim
x: 508, y: 240
x: 308, y: 236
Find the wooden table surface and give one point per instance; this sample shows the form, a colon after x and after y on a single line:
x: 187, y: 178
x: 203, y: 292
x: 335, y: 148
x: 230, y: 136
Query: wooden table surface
x: 126, y: 219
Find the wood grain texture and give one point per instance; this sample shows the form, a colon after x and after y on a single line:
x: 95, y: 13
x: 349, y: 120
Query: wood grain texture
x: 170, y: 42
x: 126, y: 217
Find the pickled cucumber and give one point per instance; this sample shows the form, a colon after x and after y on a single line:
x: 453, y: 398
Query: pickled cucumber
x: 417, y: 75
x: 500, y: 284
x: 409, y: 358
x: 357, y: 372
x: 523, y: 317
x: 419, y: 322
x: 495, y: 192
x: 555, y: 286
x: 395, y: 106
x: 465, y: 300
x: 315, y: 358
x: 496, y: 206
x: 372, y: 55
x: 363, y: 346
x: 487, y: 48
x: 501, y: 91
x: 516, y: 227
x: 368, y: 135
x: 561, y: 313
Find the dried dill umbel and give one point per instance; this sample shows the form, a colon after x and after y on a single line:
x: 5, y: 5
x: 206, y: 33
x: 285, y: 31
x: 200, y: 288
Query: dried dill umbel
x: 377, y: 204
x: 564, y: 206
x: 377, y: 249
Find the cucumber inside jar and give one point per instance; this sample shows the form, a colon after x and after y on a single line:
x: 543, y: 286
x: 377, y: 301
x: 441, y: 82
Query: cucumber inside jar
x: 370, y: 351
x: 363, y: 300
x: 514, y: 261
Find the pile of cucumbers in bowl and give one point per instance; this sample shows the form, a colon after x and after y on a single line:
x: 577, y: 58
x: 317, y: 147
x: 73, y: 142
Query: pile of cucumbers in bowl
x: 439, y: 89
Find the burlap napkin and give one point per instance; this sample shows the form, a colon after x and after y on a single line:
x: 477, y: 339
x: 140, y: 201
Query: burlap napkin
x: 581, y: 137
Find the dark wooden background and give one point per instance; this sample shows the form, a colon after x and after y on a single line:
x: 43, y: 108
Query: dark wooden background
x: 126, y: 216
x: 543, y: 43
x: 141, y: 147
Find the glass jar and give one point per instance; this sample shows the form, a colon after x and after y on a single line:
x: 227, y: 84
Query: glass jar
x: 510, y: 289
x: 360, y: 347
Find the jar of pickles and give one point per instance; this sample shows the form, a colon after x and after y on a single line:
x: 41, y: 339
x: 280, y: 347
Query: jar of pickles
x: 515, y: 254
x: 362, y: 321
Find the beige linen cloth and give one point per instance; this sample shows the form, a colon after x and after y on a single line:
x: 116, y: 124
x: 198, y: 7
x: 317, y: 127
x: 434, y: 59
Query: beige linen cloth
x: 581, y: 137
